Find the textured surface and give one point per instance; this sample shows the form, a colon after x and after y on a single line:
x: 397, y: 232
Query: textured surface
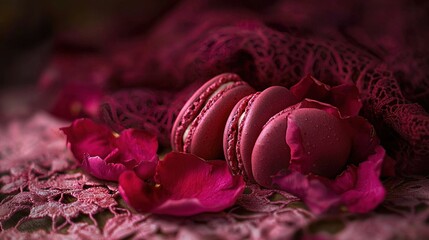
x: 43, y: 195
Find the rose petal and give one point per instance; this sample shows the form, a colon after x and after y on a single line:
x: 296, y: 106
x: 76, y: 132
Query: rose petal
x: 188, y: 185
x: 309, y: 87
x: 142, y: 196
x: 299, y: 160
x: 345, y: 181
x: 368, y: 191
x: 146, y: 169
x: 364, y: 139
x: 99, y: 168
x: 359, y: 189
x: 317, y: 196
x: 136, y: 144
x: 105, y: 156
x: 345, y: 96
x: 85, y: 137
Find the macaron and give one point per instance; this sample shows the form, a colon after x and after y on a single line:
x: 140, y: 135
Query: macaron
x: 320, y: 144
x: 199, y: 127
x: 245, y: 123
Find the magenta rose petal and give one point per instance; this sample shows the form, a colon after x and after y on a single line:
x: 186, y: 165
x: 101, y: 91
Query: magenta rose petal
x: 135, y: 144
x: 299, y: 160
x: 364, y: 139
x: 309, y: 87
x: 368, y: 191
x: 185, y: 185
x: 207, y: 185
x: 99, y: 168
x: 345, y: 96
x: 357, y: 188
x: 140, y: 195
x: 316, y: 195
x: 105, y: 155
x: 345, y: 181
x: 146, y: 169
x: 88, y: 138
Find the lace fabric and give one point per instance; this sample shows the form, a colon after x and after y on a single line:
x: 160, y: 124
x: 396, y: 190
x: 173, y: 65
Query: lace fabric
x: 44, y: 195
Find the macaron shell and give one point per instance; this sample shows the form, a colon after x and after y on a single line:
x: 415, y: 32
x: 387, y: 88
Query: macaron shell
x: 230, y: 136
x: 259, y: 110
x: 205, y: 138
x: 324, y: 143
x: 270, y: 153
x: 194, y: 105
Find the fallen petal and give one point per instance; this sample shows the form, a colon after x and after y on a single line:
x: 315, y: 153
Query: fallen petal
x: 99, y: 168
x: 86, y: 138
x: 185, y: 185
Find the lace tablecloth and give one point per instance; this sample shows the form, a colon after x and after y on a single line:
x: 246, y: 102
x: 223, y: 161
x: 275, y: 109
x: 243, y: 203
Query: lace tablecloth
x: 44, y: 195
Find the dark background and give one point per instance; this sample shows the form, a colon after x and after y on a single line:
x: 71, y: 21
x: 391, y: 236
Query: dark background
x: 29, y: 30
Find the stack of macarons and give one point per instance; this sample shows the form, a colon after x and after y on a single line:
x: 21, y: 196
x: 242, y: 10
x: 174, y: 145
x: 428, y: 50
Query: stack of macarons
x: 227, y: 119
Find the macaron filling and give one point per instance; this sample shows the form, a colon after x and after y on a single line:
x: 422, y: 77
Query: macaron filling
x: 210, y: 98
x: 195, y: 104
x: 209, y: 124
x: 238, y: 145
x: 231, y: 136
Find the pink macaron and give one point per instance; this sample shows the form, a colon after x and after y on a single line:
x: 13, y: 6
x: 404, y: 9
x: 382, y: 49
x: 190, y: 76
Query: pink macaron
x: 245, y: 124
x: 199, y: 127
x: 318, y: 139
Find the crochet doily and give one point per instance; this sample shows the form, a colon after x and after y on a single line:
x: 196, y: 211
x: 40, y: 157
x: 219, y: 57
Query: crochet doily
x: 45, y: 196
